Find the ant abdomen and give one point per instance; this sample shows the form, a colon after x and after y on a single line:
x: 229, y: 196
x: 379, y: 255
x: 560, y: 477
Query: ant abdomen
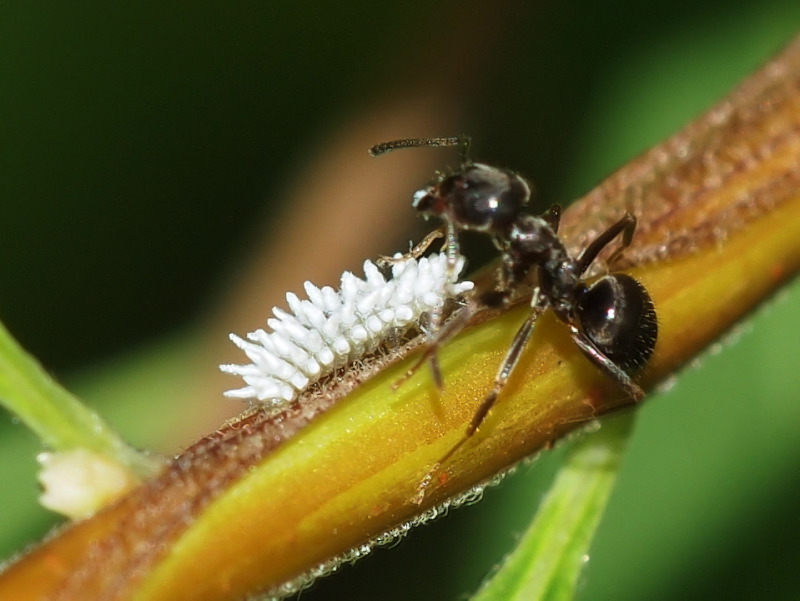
x: 618, y: 316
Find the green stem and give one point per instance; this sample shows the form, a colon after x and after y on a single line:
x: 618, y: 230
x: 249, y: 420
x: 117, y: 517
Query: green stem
x: 59, y: 419
x: 547, y: 562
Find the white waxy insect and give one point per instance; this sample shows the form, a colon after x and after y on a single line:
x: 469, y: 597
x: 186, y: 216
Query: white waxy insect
x: 334, y: 327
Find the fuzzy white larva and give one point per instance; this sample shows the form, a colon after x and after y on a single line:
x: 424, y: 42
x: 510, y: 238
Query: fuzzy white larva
x: 334, y: 327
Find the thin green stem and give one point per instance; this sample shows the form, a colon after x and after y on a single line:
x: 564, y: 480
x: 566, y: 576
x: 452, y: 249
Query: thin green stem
x: 59, y: 419
x: 548, y: 560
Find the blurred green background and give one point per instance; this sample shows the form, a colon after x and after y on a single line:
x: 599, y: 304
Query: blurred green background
x: 139, y: 145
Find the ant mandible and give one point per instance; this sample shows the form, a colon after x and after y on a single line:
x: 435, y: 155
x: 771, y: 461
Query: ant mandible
x: 611, y: 320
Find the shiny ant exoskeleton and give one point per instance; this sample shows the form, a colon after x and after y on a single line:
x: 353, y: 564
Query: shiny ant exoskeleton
x: 612, y: 320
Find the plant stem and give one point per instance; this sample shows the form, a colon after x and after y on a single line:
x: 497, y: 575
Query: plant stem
x: 59, y: 419
x: 547, y: 562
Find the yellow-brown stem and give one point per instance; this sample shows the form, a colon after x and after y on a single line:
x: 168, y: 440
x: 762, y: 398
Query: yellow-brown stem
x: 263, y: 500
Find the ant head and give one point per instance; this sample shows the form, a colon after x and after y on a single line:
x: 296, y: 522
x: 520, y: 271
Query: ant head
x: 478, y: 197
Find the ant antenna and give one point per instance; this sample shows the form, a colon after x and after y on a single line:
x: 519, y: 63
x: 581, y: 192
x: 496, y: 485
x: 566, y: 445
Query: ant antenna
x: 463, y: 142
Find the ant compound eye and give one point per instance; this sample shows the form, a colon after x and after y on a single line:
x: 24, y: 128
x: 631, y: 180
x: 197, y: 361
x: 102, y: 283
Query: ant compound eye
x: 485, y: 198
x: 617, y: 314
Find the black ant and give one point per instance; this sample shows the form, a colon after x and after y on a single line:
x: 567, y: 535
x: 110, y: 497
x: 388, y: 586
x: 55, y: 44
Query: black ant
x: 612, y: 320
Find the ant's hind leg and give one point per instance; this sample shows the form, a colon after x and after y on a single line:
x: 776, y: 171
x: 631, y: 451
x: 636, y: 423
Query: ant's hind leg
x: 606, y: 365
x: 625, y: 226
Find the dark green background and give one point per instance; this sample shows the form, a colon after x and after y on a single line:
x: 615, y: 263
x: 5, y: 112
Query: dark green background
x: 138, y: 143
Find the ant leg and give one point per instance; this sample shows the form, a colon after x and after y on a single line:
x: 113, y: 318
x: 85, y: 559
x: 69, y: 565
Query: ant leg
x: 439, y: 337
x: 436, y: 317
x: 627, y: 238
x: 507, y: 367
x: 452, y: 249
x: 384, y: 261
x: 521, y: 339
x: 552, y: 216
x: 438, y: 334
x: 606, y: 365
x: 625, y: 226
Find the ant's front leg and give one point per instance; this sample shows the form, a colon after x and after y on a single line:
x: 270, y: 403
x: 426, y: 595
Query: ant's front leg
x: 385, y: 261
x: 438, y: 334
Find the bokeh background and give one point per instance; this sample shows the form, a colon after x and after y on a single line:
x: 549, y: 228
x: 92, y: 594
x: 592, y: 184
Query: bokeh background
x: 168, y: 171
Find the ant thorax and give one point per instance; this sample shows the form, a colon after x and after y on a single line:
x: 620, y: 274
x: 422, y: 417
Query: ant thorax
x: 533, y: 242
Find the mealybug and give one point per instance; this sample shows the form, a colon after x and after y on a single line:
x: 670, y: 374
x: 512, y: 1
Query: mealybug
x: 333, y: 327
